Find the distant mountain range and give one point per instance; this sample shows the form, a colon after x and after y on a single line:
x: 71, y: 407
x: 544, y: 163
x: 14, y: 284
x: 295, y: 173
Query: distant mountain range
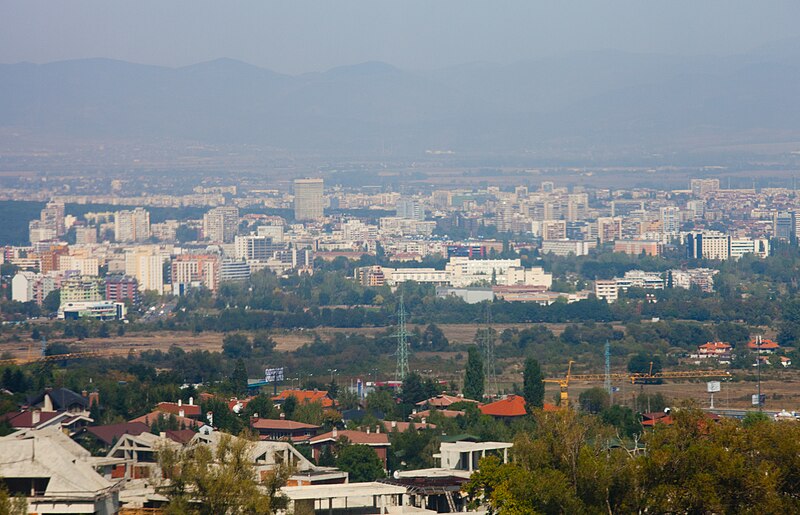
x: 602, y: 99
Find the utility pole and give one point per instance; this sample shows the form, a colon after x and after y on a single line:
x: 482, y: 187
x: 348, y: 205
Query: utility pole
x: 402, y: 343
x: 758, y: 367
x: 607, y: 381
x: 487, y: 341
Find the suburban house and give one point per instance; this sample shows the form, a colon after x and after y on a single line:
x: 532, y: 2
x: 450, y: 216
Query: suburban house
x: 763, y: 346
x: 511, y: 407
x: 279, y: 429
x: 378, y: 441
x: 720, y: 351
x: 305, y: 397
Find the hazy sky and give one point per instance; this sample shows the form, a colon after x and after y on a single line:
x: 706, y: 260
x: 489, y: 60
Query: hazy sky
x: 297, y: 35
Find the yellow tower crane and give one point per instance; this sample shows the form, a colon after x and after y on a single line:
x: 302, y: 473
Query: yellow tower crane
x: 638, y: 378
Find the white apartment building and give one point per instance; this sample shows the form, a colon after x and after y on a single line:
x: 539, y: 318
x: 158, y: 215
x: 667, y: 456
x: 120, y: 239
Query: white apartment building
x: 130, y: 226
x: 567, y: 247
x: 83, y: 265
x: 221, y: 224
x: 308, y: 199
x: 146, y: 264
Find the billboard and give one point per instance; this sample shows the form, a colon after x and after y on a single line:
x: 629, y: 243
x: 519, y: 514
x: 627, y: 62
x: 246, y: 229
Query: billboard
x: 759, y: 401
x: 273, y: 375
x: 713, y: 386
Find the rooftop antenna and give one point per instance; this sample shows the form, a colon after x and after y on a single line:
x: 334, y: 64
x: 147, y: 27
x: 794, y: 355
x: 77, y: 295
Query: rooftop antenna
x: 402, y: 343
x: 488, y: 344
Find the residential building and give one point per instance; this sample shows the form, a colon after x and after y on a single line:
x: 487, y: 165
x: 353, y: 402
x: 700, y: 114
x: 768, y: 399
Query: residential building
x: 606, y: 289
x: 146, y: 265
x: 638, y: 247
x: 132, y: 226
x: 221, y: 224
x: 195, y: 270
x: 121, y: 288
x: 379, y: 442
x: 702, y: 187
x: 278, y: 429
x: 408, y: 208
x: 702, y: 278
x: 567, y: 247
x: 308, y: 199
x: 234, y: 271
x: 85, y: 235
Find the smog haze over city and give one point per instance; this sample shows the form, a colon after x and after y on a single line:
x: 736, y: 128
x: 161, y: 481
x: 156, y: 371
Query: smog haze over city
x: 420, y: 256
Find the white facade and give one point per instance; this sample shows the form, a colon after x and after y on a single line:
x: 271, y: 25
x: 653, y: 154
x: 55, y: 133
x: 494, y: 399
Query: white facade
x: 22, y: 286
x: 567, y: 247
x: 221, y: 224
x: 146, y: 265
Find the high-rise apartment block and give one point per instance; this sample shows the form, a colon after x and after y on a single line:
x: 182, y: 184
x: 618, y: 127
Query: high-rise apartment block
x: 132, y: 226
x: 702, y: 187
x: 146, y: 265
x: 308, y: 199
x: 221, y: 224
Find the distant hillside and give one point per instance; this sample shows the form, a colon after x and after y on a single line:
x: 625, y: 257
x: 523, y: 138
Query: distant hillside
x: 607, y: 98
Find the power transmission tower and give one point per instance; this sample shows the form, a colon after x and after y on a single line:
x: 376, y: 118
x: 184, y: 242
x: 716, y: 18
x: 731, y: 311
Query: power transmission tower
x: 487, y: 342
x: 402, y: 343
x: 607, y: 381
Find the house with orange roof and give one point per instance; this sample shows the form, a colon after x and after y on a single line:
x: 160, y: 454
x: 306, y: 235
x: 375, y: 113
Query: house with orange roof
x: 180, y: 409
x: 150, y: 418
x: 766, y: 346
x: 378, y: 441
x: 305, y: 397
x: 511, y: 407
x: 716, y: 350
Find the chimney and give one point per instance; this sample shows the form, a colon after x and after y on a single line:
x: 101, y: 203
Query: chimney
x: 378, y: 429
x: 423, y: 420
x: 84, y: 393
x: 180, y: 403
x: 367, y: 429
x: 334, y: 433
x: 283, y: 416
x: 394, y: 424
x: 191, y: 401
x: 162, y: 434
x: 36, y: 416
x: 181, y: 413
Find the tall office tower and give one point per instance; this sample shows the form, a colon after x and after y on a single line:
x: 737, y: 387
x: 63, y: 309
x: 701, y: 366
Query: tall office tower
x: 146, y: 265
x: 52, y: 217
x: 308, y: 199
x: 670, y: 220
x: 783, y: 225
x: 221, y: 224
x: 407, y: 208
x: 132, y: 225
x: 701, y: 187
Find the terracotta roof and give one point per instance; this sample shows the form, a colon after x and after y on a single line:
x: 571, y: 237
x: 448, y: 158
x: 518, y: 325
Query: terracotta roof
x: 108, y: 434
x: 355, y: 437
x: 715, y: 346
x: 442, y: 401
x: 272, y: 423
x: 306, y: 396
x: 151, y: 417
x: 765, y: 345
x: 189, y: 410
x: 511, y: 406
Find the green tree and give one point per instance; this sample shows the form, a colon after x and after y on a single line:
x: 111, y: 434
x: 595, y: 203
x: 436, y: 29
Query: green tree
x: 640, y: 363
x: 594, y: 400
x: 289, y: 407
x: 361, y: 462
x: 473, y: 376
x: 12, y: 505
x: 52, y: 301
x: 239, y: 378
x: 533, y: 384
x: 236, y: 346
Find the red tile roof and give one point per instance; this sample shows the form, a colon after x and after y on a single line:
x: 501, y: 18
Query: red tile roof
x: 511, y: 406
x: 765, y: 345
x: 277, y: 424
x: 715, y: 346
x: 189, y: 410
x: 355, y: 437
x: 306, y: 396
x: 446, y: 413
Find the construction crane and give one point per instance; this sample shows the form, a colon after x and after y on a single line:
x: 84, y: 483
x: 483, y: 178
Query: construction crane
x: 634, y: 378
x: 63, y: 357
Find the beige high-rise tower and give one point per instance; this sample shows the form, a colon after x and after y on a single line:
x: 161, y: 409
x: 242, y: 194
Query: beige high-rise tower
x: 308, y: 199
